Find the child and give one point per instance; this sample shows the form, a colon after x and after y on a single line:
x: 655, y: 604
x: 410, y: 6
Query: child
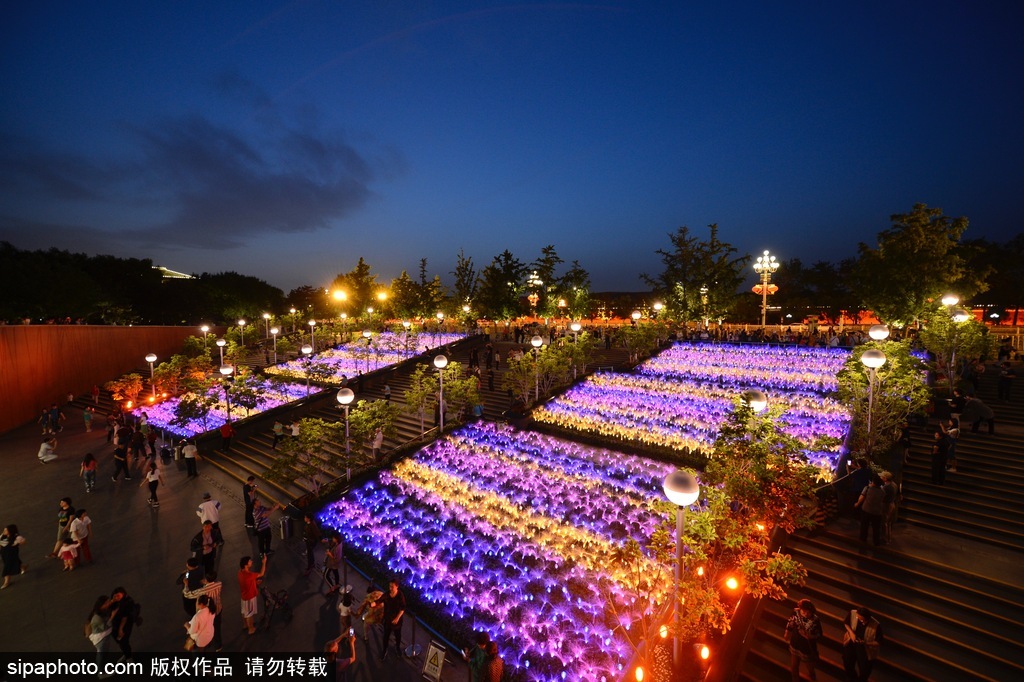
x: 68, y: 552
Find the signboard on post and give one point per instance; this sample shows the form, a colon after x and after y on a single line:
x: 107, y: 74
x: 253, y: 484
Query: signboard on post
x: 433, y: 661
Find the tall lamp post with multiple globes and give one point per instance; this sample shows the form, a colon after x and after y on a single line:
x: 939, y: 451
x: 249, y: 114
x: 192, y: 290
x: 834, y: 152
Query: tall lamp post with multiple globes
x: 226, y: 371
x: 151, y: 358
x: 440, y: 361
x: 536, y: 342
x: 765, y: 267
x: 682, y: 489
x: 274, y: 331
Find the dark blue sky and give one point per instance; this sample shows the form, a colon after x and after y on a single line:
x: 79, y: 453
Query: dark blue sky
x: 285, y: 140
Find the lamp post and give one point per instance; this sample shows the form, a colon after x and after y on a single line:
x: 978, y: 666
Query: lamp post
x: 266, y: 323
x: 273, y: 332
x: 958, y: 316
x: 345, y: 398
x: 575, y: 327
x: 312, y: 338
x: 307, y: 350
x: 291, y: 311
x: 765, y: 267
x: 681, y: 489
x: 878, y: 332
x: 367, y: 334
x: 241, y: 327
x: 658, y: 307
x: 406, y: 324
x: 151, y: 358
x: 635, y: 316
x: 220, y: 344
x: 205, y: 329
x: 536, y: 342
x: 704, y: 304
x: 755, y: 399
x: 440, y: 361
x: 344, y: 326
x: 872, y: 358
x: 226, y: 371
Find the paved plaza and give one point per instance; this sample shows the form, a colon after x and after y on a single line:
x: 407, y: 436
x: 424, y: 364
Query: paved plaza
x: 144, y: 550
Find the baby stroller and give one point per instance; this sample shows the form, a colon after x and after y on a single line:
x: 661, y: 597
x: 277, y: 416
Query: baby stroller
x: 273, y: 602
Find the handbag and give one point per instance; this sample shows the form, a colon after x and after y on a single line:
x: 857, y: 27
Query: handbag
x: 190, y: 644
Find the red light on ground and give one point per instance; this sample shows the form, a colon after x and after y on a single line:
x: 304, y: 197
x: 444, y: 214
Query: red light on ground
x: 705, y: 652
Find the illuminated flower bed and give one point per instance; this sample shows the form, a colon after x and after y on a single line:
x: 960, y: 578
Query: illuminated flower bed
x: 350, y: 359
x: 512, y: 533
x: 671, y: 408
x: 161, y: 414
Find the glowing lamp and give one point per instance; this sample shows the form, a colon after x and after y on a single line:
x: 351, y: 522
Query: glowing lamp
x: 961, y: 315
x: 639, y: 674
x: 681, y: 488
x: 440, y: 361
x: 312, y: 323
x: 346, y: 396
x: 635, y: 315
x: 879, y: 332
x: 307, y: 349
x: 536, y: 342
x: 274, y: 331
x: 732, y: 583
x: 151, y: 357
x: 663, y: 631
x: 205, y: 328
x: 755, y: 399
x: 367, y: 333
x: 873, y: 358
x: 705, y: 652
x: 950, y: 299
x: 575, y: 327
x: 227, y: 370
x: 221, y: 342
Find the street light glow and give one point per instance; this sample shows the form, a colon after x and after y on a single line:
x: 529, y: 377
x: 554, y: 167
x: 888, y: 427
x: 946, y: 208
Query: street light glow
x: 879, y: 332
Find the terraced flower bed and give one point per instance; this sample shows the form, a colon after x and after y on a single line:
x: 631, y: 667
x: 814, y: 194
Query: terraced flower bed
x: 513, y: 533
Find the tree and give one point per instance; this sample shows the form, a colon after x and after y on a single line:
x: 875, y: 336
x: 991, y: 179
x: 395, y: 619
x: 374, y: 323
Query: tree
x: 358, y: 284
x: 172, y: 376
x: 461, y: 390
x: 574, y: 287
x: 643, y: 339
x: 248, y: 392
x: 544, y: 267
x: 431, y: 293
x: 405, y: 298
x: 501, y: 284
x: 195, y: 405
x: 954, y: 344
x: 125, y: 388
x: 466, y: 281
x: 899, y: 391
x: 422, y: 387
x: 915, y: 262
x: 1005, y: 294
x: 367, y: 417
x: 691, y: 265
x: 314, y: 457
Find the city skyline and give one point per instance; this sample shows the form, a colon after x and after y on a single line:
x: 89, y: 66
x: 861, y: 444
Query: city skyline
x: 286, y: 140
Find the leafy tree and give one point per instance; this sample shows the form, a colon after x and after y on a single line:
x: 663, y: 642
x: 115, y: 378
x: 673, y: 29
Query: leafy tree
x: 692, y: 264
x: 545, y: 266
x: 461, y: 390
x: 173, y: 375
x: 423, y: 385
x: 581, y: 353
x: 431, y: 293
x: 643, y: 338
x: 367, y: 417
x: 466, y: 281
x: 916, y: 262
x: 501, y: 285
x: 1005, y: 261
x: 574, y: 287
x: 248, y: 392
x: 954, y: 344
x: 313, y: 458
x: 899, y: 391
x: 359, y: 285
x: 520, y: 377
x: 195, y: 405
x: 125, y: 388
x: 404, y: 296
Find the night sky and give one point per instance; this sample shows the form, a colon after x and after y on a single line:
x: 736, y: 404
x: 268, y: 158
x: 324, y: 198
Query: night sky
x: 284, y: 140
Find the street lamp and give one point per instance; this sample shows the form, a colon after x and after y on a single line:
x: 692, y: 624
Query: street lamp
x: 312, y: 339
x: 366, y: 335
x: 636, y: 315
x: 241, y: 327
x: 536, y: 342
x: 344, y: 325
x: 440, y: 361
x: 266, y: 323
x: 878, y: 332
x: 205, y: 329
x: 345, y: 398
x: 765, y: 267
x: 273, y: 332
x: 755, y: 399
x: 575, y: 327
x: 291, y: 311
x: 704, y: 304
x: 405, y: 325
x: 440, y: 321
x: 220, y: 344
x: 872, y: 358
x: 950, y: 300
x: 658, y: 307
x: 681, y: 489
x: 226, y: 371
x: 307, y: 350
x: 151, y: 358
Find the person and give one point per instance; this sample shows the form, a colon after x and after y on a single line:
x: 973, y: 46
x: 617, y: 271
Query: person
x: 494, y: 666
x: 890, y: 502
x: 952, y: 430
x: 87, y: 415
x: 1006, y: 377
x: 371, y: 611
x: 248, y: 589
x: 204, y: 545
x: 213, y: 589
x: 872, y: 506
x: 278, y: 433
x: 311, y: 537
x: 120, y: 459
x: 378, y: 441
x: 190, y: 453
x: 46, y: 450
x: 295, y: 429
x: 153, y: 478
x: 200, y: 627
x: 98, y: 628
x: 209, y: 510
x: 858, y: 479
x: 341, y: 651
x: 957, y: 403
x: 44, y: 422
x: 345, y: 609
x: 95, y: 394
x: 261, y: 522
x: 226, y: 432
x: 111, y: 427
x: 56, y: 417
x: 65, y: 513
x: 387, y: 393
x: 122, y: 621
x: 976, y: 412
x: 332, y: 560
x: 80, y: 530
x: 803, y: 630
x: 477, y: 656
x: 191, y: 580
x: 68, y: 552
x: 861, y: 641
x: 940, y: 452
x: 10, y: 553
x: 394, y: 610
x: 249, y: 497
x: 88, y: 471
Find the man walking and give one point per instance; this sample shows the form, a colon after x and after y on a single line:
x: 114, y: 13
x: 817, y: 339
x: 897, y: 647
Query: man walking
x: 261, y: 522
x: 248, y: 497
x: 209, y: 510
x: 204, y: 546
x: 394, y: 610
x: 248, y: 589
x: 190, y: 453
x: 122, y: 621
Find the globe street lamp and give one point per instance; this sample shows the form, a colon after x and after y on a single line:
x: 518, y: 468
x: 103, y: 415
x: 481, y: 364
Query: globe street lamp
x: 575, y: 327
x: 266, y: 323
x: 220, y: 344
x: 312, y: 339
x: 658, y: 307
x: 205, y: 329
x: 345, y: 398
x: 765, y: 267
x: 151, y: 358
x: 344, y: 325
x: 307, y: 350
x: 872, y: 358
x: 291, y: 311
x: 406, y: 324
x: 704, y: 304
x: 226, y: 371
x: 367, y: 334
x: 241, y: 327
x: 536, y: 342
x: 755, y: 399
x: 636, y: 315
x: 274, y: 332
x: 878, y: 332
x: 440, y: 321
x: 682, y: 489
x: 440, y: 361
